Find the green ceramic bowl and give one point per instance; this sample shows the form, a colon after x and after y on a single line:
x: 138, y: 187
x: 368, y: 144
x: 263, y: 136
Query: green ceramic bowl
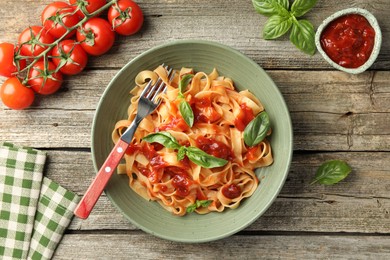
x: 202, y: 56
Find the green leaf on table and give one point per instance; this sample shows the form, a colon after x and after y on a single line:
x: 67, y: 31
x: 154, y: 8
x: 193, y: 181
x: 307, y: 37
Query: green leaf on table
x: 300, y: 7
x: 276, y: 26
x: 332, y: 172
x: 302, y: 36
x: 257, y: 129
x: 186, y: 112
x: 163, y: 138
x: 204, y: 159
x: 271, y: 7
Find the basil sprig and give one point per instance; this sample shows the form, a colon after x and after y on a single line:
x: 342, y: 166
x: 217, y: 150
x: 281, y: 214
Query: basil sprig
x: 184, y: 107
x: 257, y: 129
x: 282, y: 20
x: 193, y: 153
x: 332, y: 172
x: 197, y: 204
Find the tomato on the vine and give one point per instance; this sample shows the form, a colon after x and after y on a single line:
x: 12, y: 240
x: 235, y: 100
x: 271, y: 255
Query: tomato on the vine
x: 126, y: 17
x: 96, y: 36
x: 56, y: 13
x: 89, y: 5
x: 70, y: 57
x: 15, y: 95
x: 44, y: 79
x: 30, y: 41
x: 8, y: 66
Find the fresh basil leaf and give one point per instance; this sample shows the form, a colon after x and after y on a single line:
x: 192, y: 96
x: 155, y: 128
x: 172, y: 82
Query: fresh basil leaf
x: 164, y: 138
x: 185, y: 80
x: 181, y: 153
x: 271, y: 7
x: 197, y: 204
x: 203, y: 159
x: 332, y: 172
x: 186, y: 112
x: 257, y: 129
x: 276, y: 26
x: 300, y: 7
x: 302, y: 36
x: 191, y: 208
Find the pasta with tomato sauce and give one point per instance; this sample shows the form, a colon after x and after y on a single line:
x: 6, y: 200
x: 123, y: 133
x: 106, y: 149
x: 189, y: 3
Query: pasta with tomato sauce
x: 220, y: 115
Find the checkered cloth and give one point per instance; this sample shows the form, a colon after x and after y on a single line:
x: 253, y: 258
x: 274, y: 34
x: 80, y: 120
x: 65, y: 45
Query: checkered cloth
x: 34, y: 211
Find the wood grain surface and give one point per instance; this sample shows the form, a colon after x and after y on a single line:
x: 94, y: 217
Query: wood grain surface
x: 335, y: 116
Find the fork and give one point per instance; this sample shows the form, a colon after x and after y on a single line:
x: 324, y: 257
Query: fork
x: 149, y: 100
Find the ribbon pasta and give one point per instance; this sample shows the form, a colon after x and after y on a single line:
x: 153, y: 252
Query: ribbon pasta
x: 220, y: 116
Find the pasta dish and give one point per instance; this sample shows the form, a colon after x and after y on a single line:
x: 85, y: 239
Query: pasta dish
x: 198, y: 150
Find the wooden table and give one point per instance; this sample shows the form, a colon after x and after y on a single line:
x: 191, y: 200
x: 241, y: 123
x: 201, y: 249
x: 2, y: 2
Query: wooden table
x: 335, y: 116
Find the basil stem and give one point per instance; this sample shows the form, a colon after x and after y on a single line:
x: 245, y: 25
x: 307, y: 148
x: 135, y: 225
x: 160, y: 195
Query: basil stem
x: 257, y: 129
x: 332, y: 172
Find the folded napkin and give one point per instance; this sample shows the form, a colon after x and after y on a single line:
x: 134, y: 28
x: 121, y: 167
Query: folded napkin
x: 34, y: 211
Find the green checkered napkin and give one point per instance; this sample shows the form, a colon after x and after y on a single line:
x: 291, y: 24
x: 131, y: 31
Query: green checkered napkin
x: 34, y: 211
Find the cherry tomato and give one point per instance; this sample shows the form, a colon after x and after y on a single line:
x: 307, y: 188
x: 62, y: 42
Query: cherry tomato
x: 126, y: 17
x: 90, y: 5
x: 96, y: 37
x: 50, y: 19
x: 8, y: 66
x: 70, y: 56
x: 44, y: 81
x: 29, y: 36
x: 15, y: 95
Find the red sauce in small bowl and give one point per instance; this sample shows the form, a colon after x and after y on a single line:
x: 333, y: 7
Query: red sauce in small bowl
x: 348, y: 40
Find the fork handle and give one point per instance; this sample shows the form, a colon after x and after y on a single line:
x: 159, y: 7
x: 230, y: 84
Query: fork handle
x: 96, y: 188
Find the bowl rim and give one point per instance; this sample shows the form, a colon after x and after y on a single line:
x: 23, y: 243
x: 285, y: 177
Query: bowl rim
x: 377, y: 42
x: 288, y: 159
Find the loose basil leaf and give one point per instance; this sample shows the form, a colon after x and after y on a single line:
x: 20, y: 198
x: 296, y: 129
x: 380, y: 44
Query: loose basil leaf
x: 181, y: 153
x: 300, y: 7
x: 164, y: 138
x: 185, y: 80
x: 257, y: 129
x: 197, y: 204
x: 332, y: 172
x: 203, y: 159
x: 302, y: 36
x: 276, y: 26
x: 186, y: 112
x: 271, y: 7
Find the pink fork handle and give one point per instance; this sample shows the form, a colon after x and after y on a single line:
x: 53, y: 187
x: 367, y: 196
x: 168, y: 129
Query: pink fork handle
x: 96, y: 188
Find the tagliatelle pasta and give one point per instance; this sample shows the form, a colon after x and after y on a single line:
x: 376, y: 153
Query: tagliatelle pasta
x: 220, y: 116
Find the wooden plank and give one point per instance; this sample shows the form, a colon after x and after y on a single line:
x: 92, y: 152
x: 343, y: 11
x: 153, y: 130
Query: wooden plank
x: 346, y: 207
x: 235, y: 24
x: 338, y: 112
x: 142, y: 246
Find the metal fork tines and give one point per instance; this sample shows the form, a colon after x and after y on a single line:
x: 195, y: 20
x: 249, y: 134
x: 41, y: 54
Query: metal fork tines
x: 149, y: 100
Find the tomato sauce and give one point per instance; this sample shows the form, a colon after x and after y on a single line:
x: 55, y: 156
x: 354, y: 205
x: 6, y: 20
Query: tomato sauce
x: 232, y: 191
x: 204, y: 111
x: 244, y: 117
x: 180, y: 180
x: 348, y: 40
x: 214, y: 147
x: 174, y: 123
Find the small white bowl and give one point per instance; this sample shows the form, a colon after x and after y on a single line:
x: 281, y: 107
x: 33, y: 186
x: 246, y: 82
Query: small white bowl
x: 377, y: 42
